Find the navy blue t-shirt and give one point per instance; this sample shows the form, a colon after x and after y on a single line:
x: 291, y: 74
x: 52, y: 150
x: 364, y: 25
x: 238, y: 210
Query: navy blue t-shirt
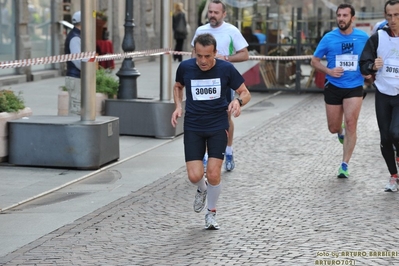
x: 206, y: 104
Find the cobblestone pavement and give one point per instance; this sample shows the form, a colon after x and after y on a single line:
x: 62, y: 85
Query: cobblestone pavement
x: 282, y: 205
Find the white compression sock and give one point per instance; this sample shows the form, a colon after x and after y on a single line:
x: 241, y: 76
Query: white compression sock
x: 229, y: 150
x: 201, y: 184
x: 213, y: 195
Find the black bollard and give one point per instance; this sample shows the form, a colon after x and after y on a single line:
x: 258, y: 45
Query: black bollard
x: 128, y: 74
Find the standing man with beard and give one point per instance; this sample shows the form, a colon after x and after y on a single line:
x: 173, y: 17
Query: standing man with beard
x: 343, y: 90
x: 232, y: 47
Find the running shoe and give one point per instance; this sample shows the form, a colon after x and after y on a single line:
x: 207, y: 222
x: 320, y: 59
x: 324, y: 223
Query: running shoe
x: 210, y: 221
x: 341, y: 136
x: 343, y: 171
x: 229, y: 162
x: 392, y: 185
x: 199, y: 201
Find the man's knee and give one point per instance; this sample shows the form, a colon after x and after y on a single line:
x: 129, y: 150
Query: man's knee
x: 214, y: 177
x: 334, y: 129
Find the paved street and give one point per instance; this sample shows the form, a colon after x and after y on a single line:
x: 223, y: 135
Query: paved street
x: 282, y: 205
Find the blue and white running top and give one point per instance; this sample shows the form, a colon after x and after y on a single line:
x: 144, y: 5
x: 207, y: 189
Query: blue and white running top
x: 343, y: 51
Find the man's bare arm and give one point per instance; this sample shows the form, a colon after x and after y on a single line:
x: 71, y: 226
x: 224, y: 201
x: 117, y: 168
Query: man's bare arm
x: 240, y: 56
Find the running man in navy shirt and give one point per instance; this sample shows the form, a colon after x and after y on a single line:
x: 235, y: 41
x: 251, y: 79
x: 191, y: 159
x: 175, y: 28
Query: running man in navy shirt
x: 207, y: 80
x: 343, y: 90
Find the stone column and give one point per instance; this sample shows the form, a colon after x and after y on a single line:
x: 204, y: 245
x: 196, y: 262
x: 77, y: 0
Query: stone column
x: 149, y: 24
x: 23, y: 44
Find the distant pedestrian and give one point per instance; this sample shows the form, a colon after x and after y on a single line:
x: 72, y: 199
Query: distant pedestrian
x: 72, y: 79
x: 207, y: 80
x: 252, y: 39
x: 381, y: 59
x: 179, y: 29
x: 261, y: 36
x: 343, y: 91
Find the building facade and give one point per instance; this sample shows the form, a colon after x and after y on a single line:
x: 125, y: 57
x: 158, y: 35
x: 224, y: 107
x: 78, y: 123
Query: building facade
x: 35, y: 28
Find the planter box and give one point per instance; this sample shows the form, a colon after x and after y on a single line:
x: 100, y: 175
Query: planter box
x: 63, y: 103
x: 141, y: 117
x: 63, y: 141
x: 100, y: 103
x: 4, y: 118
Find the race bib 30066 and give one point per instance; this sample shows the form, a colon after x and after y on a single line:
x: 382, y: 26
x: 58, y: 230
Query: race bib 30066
x: 205, y: 89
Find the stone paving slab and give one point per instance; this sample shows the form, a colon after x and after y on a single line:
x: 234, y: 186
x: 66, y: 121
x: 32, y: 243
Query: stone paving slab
x: 282, y: 205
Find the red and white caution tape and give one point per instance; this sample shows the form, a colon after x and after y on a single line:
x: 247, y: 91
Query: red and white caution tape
x: 47, y: 60
x: 91, y: 57
x: 280, y: 58
x: 144, y: 53
x: 262, y: 57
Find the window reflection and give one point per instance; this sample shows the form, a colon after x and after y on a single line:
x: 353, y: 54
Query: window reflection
x: 7, y: 36
x: 40, y: 31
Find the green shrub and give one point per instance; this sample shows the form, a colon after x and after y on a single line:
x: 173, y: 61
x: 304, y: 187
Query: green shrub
x: 9, y: 102
x: 106, y: 83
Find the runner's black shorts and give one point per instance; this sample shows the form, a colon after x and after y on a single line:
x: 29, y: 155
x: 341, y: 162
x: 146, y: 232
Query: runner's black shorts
x: 195, y: 143
x: 335, y: 96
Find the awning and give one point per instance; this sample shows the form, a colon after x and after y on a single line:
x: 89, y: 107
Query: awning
x: 240, y: 3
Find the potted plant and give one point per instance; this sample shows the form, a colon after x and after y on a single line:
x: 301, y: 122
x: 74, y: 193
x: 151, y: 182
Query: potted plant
x: 106, y: 83
x: 12, y: 106
x: 63, y: 101
x: 106, y: 87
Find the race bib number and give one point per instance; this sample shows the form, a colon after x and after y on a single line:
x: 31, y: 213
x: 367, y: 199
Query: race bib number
x: 390, y: 68
x: 347, y: 61
x: 206, y: 89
